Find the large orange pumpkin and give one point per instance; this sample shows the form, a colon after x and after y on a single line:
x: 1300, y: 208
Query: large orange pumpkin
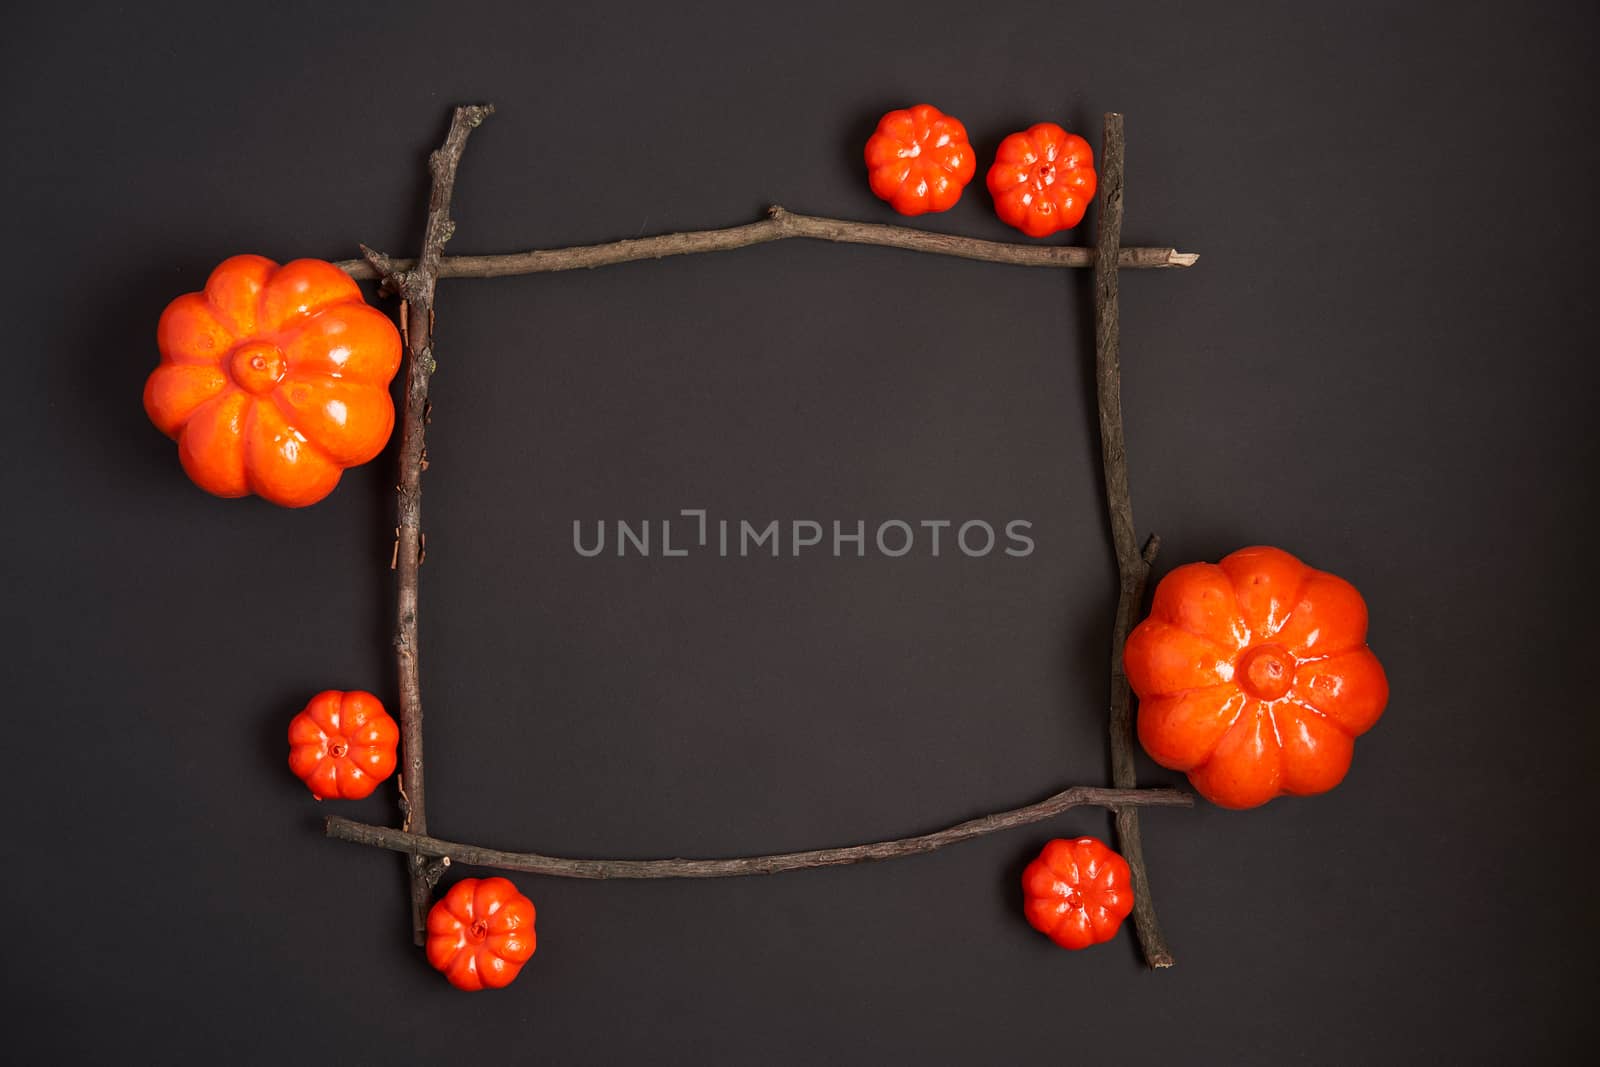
x: 273, y: 380
x: 1254, y: 676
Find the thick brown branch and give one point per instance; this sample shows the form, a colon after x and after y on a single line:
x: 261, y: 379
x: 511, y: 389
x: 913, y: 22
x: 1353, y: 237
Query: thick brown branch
x: 777, y: 226
x: 415, y: 286
x: 536, y: 863
x: 1133, y: 569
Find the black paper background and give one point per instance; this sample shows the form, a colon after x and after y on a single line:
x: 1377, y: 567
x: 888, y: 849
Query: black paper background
x: 1383, y: 362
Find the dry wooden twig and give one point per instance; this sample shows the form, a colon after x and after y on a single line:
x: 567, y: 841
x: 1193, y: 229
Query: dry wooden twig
x: 344, y: 829
x: 1133, y: 568
x: 779, y: 225
x: 414, y: 283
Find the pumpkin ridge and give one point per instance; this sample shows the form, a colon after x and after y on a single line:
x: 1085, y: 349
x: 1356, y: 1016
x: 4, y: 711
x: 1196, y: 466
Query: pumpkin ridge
x: 1107, y: 874
x: 1267, y: 709
x: 303, y: 321
x: 1246, y: 720
x: 236, y: 333
x: 486, y: 902
x: 306, y: 439
x: 338, y: 779
x: 165, y: 372
x: 315, y: 446
x: 1299, y: 598
x: 1197, y: 689
x: 349, y: 313
x: 1304, y: 704
x: 1207, y: 638
x: 332, y: 712
x: 1232, y: 723
x: 319, y: 747
x: 1239, y: 587
x: 1308, y: 708
x: 464, y: 969
x: 1067, y: 873
x: 293, y: 321
x: 196, y: 417
x: 169, y: 339
x: 1234, y: 705
x: 285, y: 335
x: 1327, y: 651
x: 351, y: 715
x: 1336, y: 734
x: 498, y: 944
x: 1151, y: 630
x: 244, y: 432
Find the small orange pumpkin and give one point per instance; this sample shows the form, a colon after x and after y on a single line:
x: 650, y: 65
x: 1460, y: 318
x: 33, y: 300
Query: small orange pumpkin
x: 1042, y: 180
x: 919, y: 160
x: 1077, y: 893
x: 481, y: 933
x: 274, y: 380
x: 343, y: 744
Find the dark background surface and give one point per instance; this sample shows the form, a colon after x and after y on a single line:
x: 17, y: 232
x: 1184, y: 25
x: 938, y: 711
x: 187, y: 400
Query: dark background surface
x: 1384, y: 363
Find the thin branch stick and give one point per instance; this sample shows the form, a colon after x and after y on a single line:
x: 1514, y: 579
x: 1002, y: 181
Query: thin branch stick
x: 415, y: 286
x: 343, y: 829
x: 1133, y: 569
x: 779, y: 225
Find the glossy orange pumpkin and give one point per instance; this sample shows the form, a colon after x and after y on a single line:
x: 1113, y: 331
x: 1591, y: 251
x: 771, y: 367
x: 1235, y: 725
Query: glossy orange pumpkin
x: 481, y: 933
x: 1077, y: 893
x: 342, y: 745
x: 274, y: 380
x: 1042, y: 179
x: 1254, y: 676
x: 919, y: 160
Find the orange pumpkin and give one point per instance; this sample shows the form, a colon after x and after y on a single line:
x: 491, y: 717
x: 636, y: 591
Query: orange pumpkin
x: 1254, y: 676
x: 481, y: 933
x: 1042, y: 180
x: 920, y: 160
x: 343, y: 744
x: 1077, y: 893
x: 274, y: 380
